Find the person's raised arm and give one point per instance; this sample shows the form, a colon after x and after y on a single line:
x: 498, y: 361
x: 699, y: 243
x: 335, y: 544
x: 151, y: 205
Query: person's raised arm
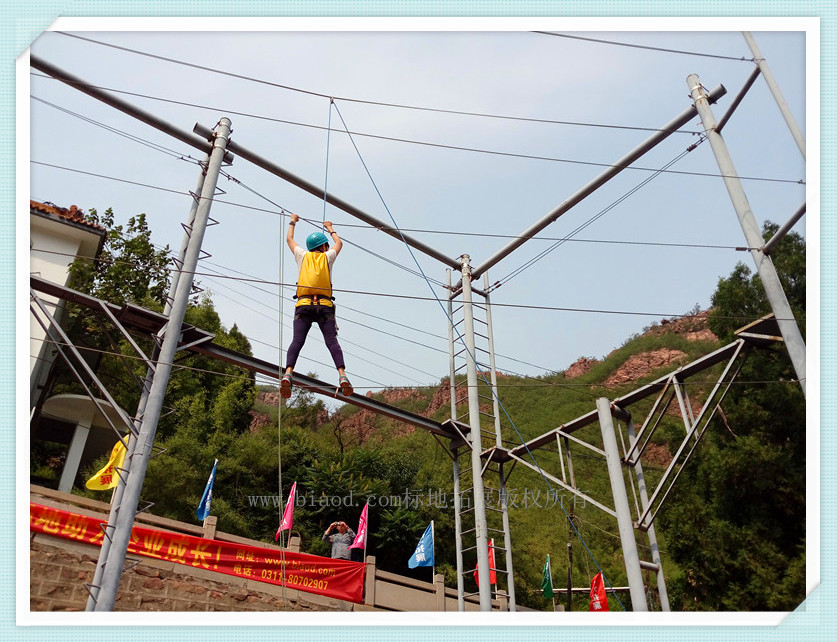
x: 290, y: 238
x: 338, y: 243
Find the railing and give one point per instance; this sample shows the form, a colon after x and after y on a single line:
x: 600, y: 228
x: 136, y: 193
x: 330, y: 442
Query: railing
x: 382, y: 590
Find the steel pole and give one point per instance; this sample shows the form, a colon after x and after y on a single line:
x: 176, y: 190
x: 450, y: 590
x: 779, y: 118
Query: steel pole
x: 782, y: 231
x: 480, y: 522
x: 652, y: 534
x: 118, y: 492
x: 777, y: 93
x: 504, y: 505
x: 767, y: 272
x: 457, y: 499
x: 623, y: 508
x: 145, y: 440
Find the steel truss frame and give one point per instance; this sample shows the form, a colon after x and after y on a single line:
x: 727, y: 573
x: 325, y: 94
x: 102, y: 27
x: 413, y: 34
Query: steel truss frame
x: 460, y: 435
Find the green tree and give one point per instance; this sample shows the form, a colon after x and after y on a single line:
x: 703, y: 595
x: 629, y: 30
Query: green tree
x: 736, y: 523
x: 129, y: 269
x: 208, y: 402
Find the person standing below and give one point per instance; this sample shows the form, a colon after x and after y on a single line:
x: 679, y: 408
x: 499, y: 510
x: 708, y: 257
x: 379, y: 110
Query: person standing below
x: 314, y: 301
x: 340, y: 541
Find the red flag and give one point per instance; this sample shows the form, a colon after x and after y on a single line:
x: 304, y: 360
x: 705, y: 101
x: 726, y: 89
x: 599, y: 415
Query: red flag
x: 492, y: 574
x: 288, y: 515
x: 598, y: 595
x: 360, y: 540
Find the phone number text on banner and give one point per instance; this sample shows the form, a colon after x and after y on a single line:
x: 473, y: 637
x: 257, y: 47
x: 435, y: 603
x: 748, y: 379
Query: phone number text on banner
x: 340, y: 579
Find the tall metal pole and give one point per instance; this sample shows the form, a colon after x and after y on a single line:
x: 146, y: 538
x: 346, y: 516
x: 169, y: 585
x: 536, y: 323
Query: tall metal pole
x: 623, y: 508
x: 145, y: 440
x: 767, y: 272
x: 457, y: 499
x: 116, y: 500
x: 480, y: 522
x: 652, y: 535
x: 504, y: 504
x: 570, y: 563
x: 777, y: 93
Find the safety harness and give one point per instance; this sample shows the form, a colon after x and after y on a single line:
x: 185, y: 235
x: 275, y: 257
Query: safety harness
x: 314, y: 284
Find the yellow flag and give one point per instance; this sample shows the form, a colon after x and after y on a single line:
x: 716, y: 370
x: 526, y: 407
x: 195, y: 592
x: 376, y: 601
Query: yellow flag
x: 108, y: 477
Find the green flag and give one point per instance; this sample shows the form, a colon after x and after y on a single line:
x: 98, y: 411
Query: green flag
x: 546, y: 585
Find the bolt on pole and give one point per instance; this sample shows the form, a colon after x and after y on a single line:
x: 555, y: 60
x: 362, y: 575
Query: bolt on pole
x: 794, y: 342
x: 145, y: 440
x: 480, y: 522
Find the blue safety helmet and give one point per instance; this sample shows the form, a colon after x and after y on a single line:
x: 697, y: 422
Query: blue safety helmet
x: 315, y: 240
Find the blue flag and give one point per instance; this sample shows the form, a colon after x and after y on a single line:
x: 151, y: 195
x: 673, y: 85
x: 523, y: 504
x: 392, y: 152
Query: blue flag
x: 423, y: 555
x: 206, y: 498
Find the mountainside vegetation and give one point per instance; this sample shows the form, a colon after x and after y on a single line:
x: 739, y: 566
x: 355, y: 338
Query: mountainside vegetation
x: 731, y: 532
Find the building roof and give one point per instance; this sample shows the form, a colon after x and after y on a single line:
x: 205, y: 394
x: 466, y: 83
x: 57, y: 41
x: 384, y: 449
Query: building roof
x: 71, y: 215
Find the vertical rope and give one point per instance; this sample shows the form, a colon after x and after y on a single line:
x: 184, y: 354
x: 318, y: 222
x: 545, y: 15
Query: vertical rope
x: 279, y: 411
x: 328, y: 148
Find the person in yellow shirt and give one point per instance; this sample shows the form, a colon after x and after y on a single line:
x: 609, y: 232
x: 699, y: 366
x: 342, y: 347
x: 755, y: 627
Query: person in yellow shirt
x: 314, y: 301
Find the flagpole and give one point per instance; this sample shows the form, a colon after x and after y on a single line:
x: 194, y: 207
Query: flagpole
x: 433, y: 535
x: 366, y: 537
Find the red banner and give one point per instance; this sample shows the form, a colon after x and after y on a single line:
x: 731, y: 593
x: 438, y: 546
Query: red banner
x: 340, y: 579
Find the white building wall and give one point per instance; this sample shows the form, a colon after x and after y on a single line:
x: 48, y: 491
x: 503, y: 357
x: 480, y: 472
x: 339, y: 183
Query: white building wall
x: 53, y: 245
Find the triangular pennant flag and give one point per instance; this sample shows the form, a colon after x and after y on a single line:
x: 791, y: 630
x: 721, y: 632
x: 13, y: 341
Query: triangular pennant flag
x: 360, y: 540
x: 424, y: 553
x: 107, y: 477
x: 546, y: 584
x: 206, y: 498
x: 598, y: 594
x: 288, y: 516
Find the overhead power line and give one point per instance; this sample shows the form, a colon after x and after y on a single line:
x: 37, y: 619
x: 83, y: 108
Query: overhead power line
x: 635, y: 46
x: 494, y: 304
x: 474, y: 150
x: 359, y: 100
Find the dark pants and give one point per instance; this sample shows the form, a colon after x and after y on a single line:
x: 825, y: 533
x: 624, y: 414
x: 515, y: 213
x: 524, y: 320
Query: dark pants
x: 304, y: 317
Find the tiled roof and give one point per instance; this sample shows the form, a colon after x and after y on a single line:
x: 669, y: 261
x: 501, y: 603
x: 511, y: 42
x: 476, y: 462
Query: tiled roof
x: 72, y: 214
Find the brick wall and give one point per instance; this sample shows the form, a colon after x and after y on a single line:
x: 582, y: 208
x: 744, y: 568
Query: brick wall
x: 60, y: 568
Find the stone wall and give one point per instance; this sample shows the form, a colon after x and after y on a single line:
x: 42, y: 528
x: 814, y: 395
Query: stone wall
x: 59, y: 569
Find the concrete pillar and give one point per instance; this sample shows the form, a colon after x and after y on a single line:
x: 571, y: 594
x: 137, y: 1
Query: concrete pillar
x: 369, y: 586
x: 439, y: 585
x: 77, y: 443
x: 210, y: 525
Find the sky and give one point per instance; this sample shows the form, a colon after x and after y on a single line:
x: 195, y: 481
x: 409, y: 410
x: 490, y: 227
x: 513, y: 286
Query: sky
x: 641, y: 250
